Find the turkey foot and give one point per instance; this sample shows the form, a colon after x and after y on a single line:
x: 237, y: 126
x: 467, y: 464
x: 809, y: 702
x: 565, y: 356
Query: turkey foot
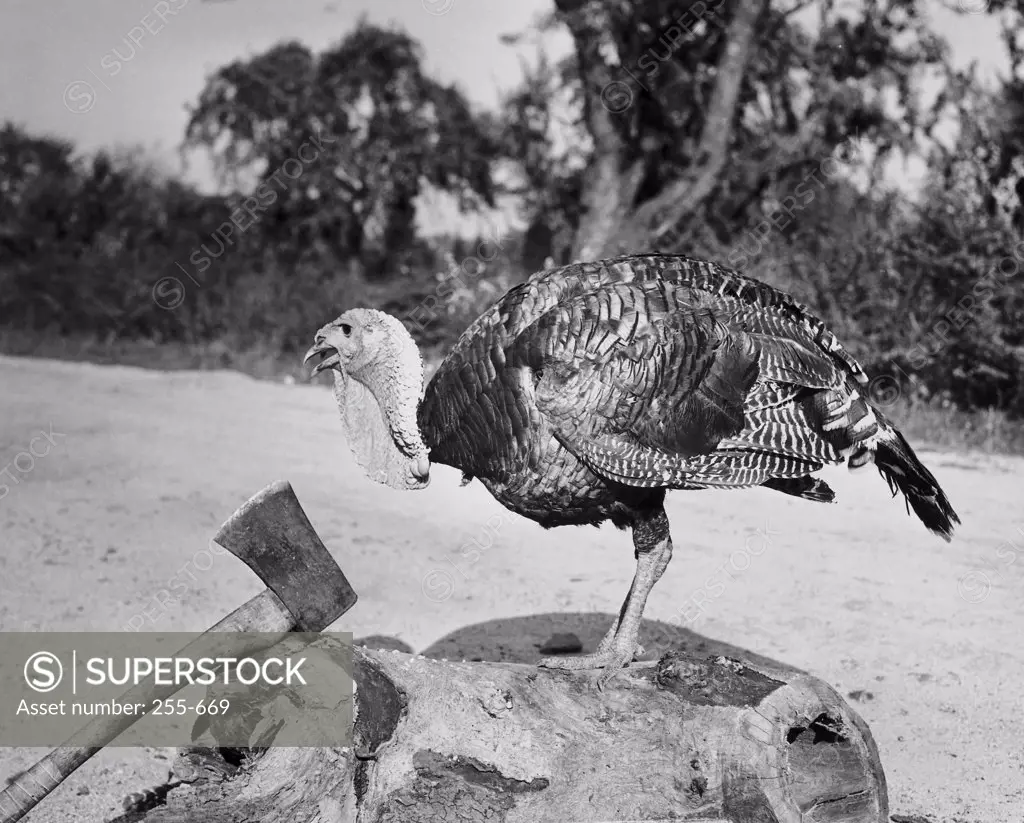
x: 621, y: 644
x: 615, y: 656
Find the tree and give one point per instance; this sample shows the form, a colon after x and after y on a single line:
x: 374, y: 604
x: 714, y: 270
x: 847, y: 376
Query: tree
x: 38, y: 183
x: 705, y: 110
x: 341, y: 144
x: 961, y: 253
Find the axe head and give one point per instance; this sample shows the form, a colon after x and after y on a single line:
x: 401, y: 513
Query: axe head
x: 273, y: 536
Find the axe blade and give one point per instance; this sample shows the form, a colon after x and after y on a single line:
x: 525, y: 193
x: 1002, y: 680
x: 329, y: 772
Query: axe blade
x: 272, y: 535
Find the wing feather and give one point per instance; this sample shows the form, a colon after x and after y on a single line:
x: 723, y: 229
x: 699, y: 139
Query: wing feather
x: 643, y: 365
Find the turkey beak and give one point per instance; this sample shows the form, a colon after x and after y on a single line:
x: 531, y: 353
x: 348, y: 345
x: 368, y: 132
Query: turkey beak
x: 327, y: 353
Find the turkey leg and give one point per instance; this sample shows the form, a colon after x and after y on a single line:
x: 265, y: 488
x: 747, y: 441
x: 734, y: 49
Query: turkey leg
x: 653, y: 544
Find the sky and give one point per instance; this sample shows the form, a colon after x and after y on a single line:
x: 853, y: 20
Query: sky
x: 50, y: 50
x: 71, y: 68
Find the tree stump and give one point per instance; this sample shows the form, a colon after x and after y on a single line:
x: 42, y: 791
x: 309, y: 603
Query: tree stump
x: 683, y: 738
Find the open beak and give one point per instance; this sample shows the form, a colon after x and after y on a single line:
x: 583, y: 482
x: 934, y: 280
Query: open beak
x: 328, y: 355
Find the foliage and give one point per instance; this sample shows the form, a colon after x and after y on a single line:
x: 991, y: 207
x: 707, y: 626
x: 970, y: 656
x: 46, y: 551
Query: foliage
x: 831, y: 99
x: 326, y: 153
x: 376, y: 128
x: 323, y: 158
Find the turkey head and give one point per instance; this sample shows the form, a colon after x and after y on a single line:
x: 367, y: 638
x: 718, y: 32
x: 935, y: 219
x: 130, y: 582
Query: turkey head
x: 378, y: 383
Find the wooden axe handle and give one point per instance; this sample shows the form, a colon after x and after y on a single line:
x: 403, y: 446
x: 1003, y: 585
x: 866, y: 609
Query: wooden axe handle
x: 265, y: 613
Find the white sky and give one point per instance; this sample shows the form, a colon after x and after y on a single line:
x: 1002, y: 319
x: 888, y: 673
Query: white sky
x: 47, y: 45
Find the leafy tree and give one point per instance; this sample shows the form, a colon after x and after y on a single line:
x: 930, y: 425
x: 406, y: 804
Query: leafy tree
x: 706, y: 127
x: 699, y: 111
x: 38, y: 183
x: 376, y: 130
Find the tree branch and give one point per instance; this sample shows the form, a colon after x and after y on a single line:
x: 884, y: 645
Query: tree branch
x: 608, y: 188
x: 683, y: 197
x: 587, y: 21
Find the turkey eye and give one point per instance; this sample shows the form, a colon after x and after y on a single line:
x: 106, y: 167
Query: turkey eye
x: 346, y: 329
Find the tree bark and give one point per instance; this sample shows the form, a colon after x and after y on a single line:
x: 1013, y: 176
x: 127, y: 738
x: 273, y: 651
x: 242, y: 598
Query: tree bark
x: 612, y: 223
x: 610, y: 181
x: 686, y: 738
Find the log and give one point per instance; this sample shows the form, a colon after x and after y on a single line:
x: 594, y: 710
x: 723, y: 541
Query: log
x: 690, y: 736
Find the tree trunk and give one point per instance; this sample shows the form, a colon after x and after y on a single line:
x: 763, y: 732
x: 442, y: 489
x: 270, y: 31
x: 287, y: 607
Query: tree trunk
x: 611, y: 180
x: 685, y: 738
x: 612, y: 222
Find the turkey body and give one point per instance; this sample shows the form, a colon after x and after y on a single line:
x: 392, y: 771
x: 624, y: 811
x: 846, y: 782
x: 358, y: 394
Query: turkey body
x: 589, y: 390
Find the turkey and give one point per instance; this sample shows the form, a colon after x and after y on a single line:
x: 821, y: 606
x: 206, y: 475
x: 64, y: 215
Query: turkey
x: 588, y: 391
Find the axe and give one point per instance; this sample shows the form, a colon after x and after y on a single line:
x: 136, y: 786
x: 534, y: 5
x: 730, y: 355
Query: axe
x: 306, y: 592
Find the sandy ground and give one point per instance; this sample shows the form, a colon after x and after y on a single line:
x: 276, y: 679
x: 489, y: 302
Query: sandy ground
x: 928, y: 635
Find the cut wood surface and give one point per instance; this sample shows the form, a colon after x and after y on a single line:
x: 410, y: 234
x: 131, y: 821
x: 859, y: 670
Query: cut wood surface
x: 688, y: 737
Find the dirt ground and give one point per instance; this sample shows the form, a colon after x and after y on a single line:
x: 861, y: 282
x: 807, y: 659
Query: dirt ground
x: 925, y: 635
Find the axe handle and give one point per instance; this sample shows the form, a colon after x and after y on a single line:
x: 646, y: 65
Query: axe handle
x: 264, y: 613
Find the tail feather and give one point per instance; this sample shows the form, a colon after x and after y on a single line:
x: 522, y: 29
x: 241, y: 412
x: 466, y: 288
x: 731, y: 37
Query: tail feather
x: 809, y: 488
x: 904, y: 472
